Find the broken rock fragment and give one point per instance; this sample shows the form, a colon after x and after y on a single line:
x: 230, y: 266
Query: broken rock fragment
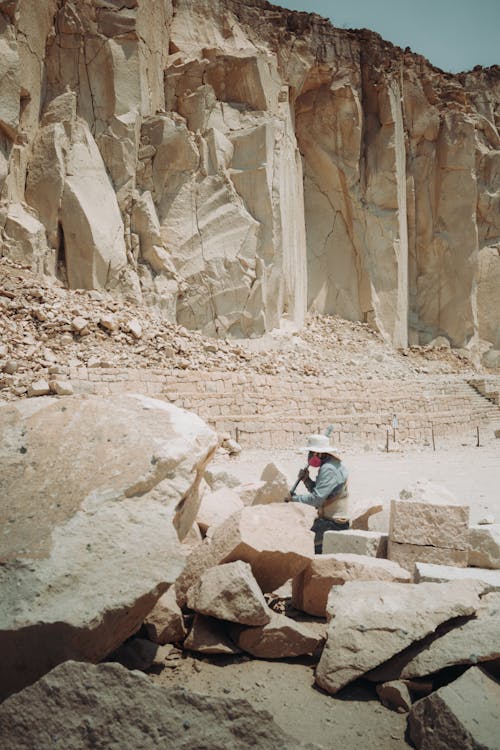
x: 230, y: 592
x: 484, y: 546
x: 281, y: 638
x: 209, y: 636
x: 165, y: 624
x: 372, y: 620
x: 216, y: 507
x: 463, y: 714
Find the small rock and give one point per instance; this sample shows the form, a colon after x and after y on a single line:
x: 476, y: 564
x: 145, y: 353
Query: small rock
x: 109, y: 323
x: 61, y: 387
x: 135, y: 328
x: 79, y: 325
x: 39, y: 388
x: 11, y: 366
x: 395, y: 695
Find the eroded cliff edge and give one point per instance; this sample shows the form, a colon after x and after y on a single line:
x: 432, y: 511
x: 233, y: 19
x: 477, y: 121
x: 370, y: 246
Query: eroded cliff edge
x: 237, y: 164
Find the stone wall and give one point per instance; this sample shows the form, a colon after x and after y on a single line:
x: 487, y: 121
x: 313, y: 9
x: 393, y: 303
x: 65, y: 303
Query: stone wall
x: 279, y: 411
x: 236, y: 164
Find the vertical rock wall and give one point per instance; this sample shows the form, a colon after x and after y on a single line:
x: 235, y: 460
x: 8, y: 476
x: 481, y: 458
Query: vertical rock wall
x: 236, y: 164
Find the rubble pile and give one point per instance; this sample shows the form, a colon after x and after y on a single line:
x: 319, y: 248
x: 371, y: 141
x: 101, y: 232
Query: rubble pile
x: 45, y: 328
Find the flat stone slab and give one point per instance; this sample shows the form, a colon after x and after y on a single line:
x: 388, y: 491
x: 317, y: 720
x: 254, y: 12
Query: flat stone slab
x: 356, y: 542
x: 476, y: 641
x: 407, y: 555
x: 463, y: 714
x: 371, y: 621
x: 80, y: 706
x: 311, y: 587
x: 426, y: 573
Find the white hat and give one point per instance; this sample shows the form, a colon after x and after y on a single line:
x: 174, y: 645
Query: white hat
x: 321, y: 444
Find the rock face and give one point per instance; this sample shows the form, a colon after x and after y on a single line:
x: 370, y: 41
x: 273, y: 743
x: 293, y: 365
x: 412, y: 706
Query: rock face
x: 103, y: 517
x: 84, y: 707
x: 238, y: 164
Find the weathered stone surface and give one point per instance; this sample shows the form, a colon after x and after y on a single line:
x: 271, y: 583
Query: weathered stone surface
x: 426, y: 573
x: 356, y: 542
x: 281, y: 638
x: 230, y: 592
x: 216, y: 507
x: 275, y: 487
x: 476, y: 641
x: 165, y: 624
x: 372, y: 620
x: 360, y: 514
x: 395, y: 695
x: 127, y: 710
x: 484, y: 546
x: 208, y: 636
x: 462, y: 714
x: 104, y: 517
x: 311, y: 587
x: 407, y: 555
x: 275, y: 539
x: 429, y: 515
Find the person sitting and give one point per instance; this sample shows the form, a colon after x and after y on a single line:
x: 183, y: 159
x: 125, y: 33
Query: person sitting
x: 328, y: 492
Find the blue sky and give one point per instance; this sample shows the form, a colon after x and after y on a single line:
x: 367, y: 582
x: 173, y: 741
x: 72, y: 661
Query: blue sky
x: 454, y: 35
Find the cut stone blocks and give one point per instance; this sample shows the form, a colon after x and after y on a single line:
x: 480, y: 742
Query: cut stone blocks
x: 428, y: 525
x: 356, y: 542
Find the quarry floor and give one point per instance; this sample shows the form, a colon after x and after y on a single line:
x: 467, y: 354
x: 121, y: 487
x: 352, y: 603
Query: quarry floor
x: 355, y: 718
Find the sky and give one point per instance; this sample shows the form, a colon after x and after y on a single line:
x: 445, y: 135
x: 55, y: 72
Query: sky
x: 454, y: 35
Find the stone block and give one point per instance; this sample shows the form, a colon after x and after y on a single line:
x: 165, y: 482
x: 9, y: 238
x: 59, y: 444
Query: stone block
x: 281, y: 638
x: 463, y: 714
x: 355, y: 541
x: 484, y: 546
x: 427, y: 572
x: 208, y: 636
x: 430, y: 517
x: 165, y: 624
x: 310, y: 589
x: 407, y: 555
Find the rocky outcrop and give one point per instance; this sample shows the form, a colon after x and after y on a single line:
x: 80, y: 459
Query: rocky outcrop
x: 239, y: 164
x: 90, y: 536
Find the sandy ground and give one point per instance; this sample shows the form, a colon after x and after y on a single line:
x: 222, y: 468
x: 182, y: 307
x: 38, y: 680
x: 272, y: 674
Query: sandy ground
x: 355, y: 718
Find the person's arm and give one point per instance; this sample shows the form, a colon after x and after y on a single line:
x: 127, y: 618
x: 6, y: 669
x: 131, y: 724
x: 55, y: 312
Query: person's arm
x: 320, y: 489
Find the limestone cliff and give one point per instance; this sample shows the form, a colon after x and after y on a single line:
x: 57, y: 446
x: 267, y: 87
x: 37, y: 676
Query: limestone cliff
x: 237, y: 164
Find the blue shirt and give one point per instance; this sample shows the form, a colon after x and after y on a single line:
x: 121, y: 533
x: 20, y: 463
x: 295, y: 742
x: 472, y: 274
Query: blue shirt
x: 332, y: 473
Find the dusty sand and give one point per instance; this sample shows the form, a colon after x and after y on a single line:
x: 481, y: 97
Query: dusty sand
x: 355, y: 718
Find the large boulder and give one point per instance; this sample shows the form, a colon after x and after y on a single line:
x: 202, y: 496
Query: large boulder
x: 216, y: 507
x: 94, y: 494
x: 86, y: 707
x: 371, y: 621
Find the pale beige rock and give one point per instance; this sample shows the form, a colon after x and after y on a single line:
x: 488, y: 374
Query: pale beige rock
x: 230, y: 592
x: 355, y: 541
x: 461, y: 714
x: 476, y: 641
x: 249, y: 491
x: 61, y: 387
x: 79, y: 324
x: 429, y: 515
x: 311, y: 587
x: 275, y: 488
x: 427, y: 572
x: 484, y: 546
x: 216, y: 507
x: 275, y: 539
x: 26, y: 239
x: 39, y: 388
x: 373, y: 620
x: 165, y: 624
x: 281, y: 638
x: 407, y: 555
x: 113, y: 528
x: 208, y: 636
x: 360, y: 514
x: 395, y: 695
x: 135, y: 328
x: 119, y: 697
